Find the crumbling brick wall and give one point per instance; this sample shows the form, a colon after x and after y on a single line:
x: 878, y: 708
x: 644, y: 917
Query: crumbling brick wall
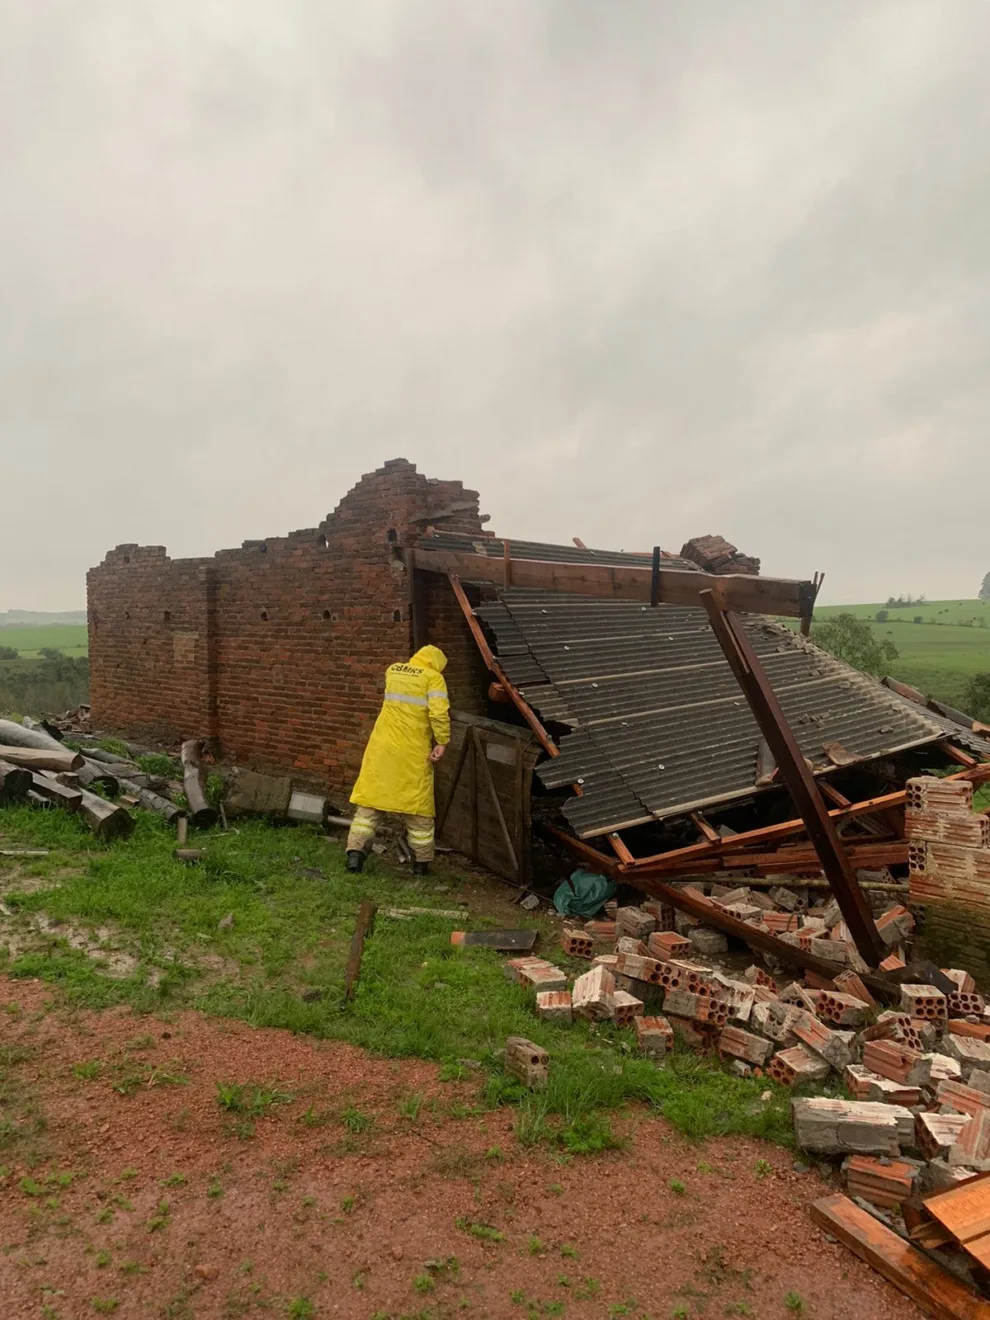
x: 277, y: 650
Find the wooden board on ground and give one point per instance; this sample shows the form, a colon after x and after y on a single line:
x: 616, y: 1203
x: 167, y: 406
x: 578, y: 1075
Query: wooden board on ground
x: 936, y: 1291
x: 965, y: 1212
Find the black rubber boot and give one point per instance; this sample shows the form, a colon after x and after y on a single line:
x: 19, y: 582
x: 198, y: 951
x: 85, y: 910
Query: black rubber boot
x: 421, y: 868
x: 355, y: 861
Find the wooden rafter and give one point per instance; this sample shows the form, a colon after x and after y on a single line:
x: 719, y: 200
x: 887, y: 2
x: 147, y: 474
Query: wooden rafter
x: 795, y: 773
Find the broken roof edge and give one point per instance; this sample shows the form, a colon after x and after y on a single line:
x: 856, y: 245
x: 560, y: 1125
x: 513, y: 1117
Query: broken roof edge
x: 680, y: 810
x: 627, y: 578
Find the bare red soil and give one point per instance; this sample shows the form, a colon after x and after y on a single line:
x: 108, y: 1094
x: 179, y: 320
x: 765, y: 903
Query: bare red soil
x: 175, y: 1210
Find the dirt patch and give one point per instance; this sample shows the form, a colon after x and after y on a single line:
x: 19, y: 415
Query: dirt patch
x: 336, y: 1184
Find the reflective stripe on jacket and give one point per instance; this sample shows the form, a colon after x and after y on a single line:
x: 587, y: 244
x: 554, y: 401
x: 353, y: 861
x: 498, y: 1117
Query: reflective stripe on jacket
x: 396, y: 774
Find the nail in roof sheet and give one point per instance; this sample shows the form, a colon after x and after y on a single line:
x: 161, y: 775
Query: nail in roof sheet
x: 658, y: 725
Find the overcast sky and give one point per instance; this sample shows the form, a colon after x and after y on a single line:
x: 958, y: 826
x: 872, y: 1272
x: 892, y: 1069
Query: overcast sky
x: 635, y: 271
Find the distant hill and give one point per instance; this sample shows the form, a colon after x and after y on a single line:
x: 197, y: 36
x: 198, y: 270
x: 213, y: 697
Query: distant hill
x: 40, y: 618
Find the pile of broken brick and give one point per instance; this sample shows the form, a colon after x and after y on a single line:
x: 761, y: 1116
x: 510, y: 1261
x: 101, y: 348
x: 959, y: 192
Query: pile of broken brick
x: 919, y: 1074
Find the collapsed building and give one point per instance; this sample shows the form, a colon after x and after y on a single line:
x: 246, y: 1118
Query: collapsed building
x: 600, y: 691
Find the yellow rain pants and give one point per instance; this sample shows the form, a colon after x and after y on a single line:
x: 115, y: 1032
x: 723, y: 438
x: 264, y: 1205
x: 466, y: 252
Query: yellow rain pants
x: 419, y: 833
x: 396, y: 773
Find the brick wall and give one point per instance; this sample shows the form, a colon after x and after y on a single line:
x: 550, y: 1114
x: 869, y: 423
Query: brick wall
x: 277, y: 650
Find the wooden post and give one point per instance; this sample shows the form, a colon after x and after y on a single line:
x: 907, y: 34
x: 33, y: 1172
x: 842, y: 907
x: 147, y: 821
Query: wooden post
x: 794, y: 772
x: 655, y: 578
x: 362, y: 929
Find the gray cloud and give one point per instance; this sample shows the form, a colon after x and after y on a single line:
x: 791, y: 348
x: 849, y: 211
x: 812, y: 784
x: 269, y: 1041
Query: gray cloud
x: 636, y: 273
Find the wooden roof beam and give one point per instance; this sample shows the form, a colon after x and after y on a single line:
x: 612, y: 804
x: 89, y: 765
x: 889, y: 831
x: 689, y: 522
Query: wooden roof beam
x: 676, y: 586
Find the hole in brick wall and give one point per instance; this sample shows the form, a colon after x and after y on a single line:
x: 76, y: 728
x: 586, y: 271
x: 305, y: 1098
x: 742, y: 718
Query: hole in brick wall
x: 167, y: 616
x: 127, y: 559
x: 396, y: 616
x: 127, y: 614
x: 334, y: 618
x: 327, y: 615
x: 393, y: 536
x: 264, y: 615
x: 262, y: 548
x: 322, y: 542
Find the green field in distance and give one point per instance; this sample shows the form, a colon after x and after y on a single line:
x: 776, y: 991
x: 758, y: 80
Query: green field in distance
x: 69, y: 638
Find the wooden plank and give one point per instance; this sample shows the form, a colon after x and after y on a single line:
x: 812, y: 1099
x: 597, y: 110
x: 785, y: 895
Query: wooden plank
x: 767, y: 711
x: 704, y: 829
x: 752, y: 595
x: 525, y: 710
x: 362, y: 929
x: 931, y: 1287
x: 964, y: 1210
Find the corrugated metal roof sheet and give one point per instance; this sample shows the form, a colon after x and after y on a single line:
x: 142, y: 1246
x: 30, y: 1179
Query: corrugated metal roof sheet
x: 542, y: 550
x: 658, y: 724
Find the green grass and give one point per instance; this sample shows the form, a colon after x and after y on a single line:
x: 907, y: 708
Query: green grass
x: 417, y: 995
x: 69, y: 638
x: 940, y: 655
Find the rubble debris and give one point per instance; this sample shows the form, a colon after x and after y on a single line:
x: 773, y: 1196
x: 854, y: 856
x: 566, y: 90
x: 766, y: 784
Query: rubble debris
x: 576, y: 944
x: 797, y: 1065
x: 536, y: 974
x: 554, y: 1006
x: 668, y: 944
x: 707, y: 941
x: 855, y: 1127
x: 714, y: 554
x: 898, y: 1062
x: 592, y: 993
x: 654, y: 1036
x: 841, y: 1010
x: 634, y: 921
x: 624, y: 1008
x: 883, y: 1182
x: 924, y: 1001
x: 739, y: 1044
x: 527, y: 1062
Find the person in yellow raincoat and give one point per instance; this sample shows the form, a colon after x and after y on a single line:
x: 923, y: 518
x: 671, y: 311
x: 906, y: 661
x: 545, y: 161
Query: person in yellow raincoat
x: 410, y: 736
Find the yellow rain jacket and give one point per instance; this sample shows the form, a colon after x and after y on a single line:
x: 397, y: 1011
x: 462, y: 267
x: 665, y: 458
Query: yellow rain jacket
x: 396, y: 774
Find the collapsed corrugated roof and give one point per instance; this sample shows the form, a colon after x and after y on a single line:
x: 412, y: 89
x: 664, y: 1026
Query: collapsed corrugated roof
x: 658, y: 725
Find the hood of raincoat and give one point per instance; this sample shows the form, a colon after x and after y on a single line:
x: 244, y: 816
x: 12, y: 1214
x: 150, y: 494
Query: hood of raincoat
x: 430, y: 657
